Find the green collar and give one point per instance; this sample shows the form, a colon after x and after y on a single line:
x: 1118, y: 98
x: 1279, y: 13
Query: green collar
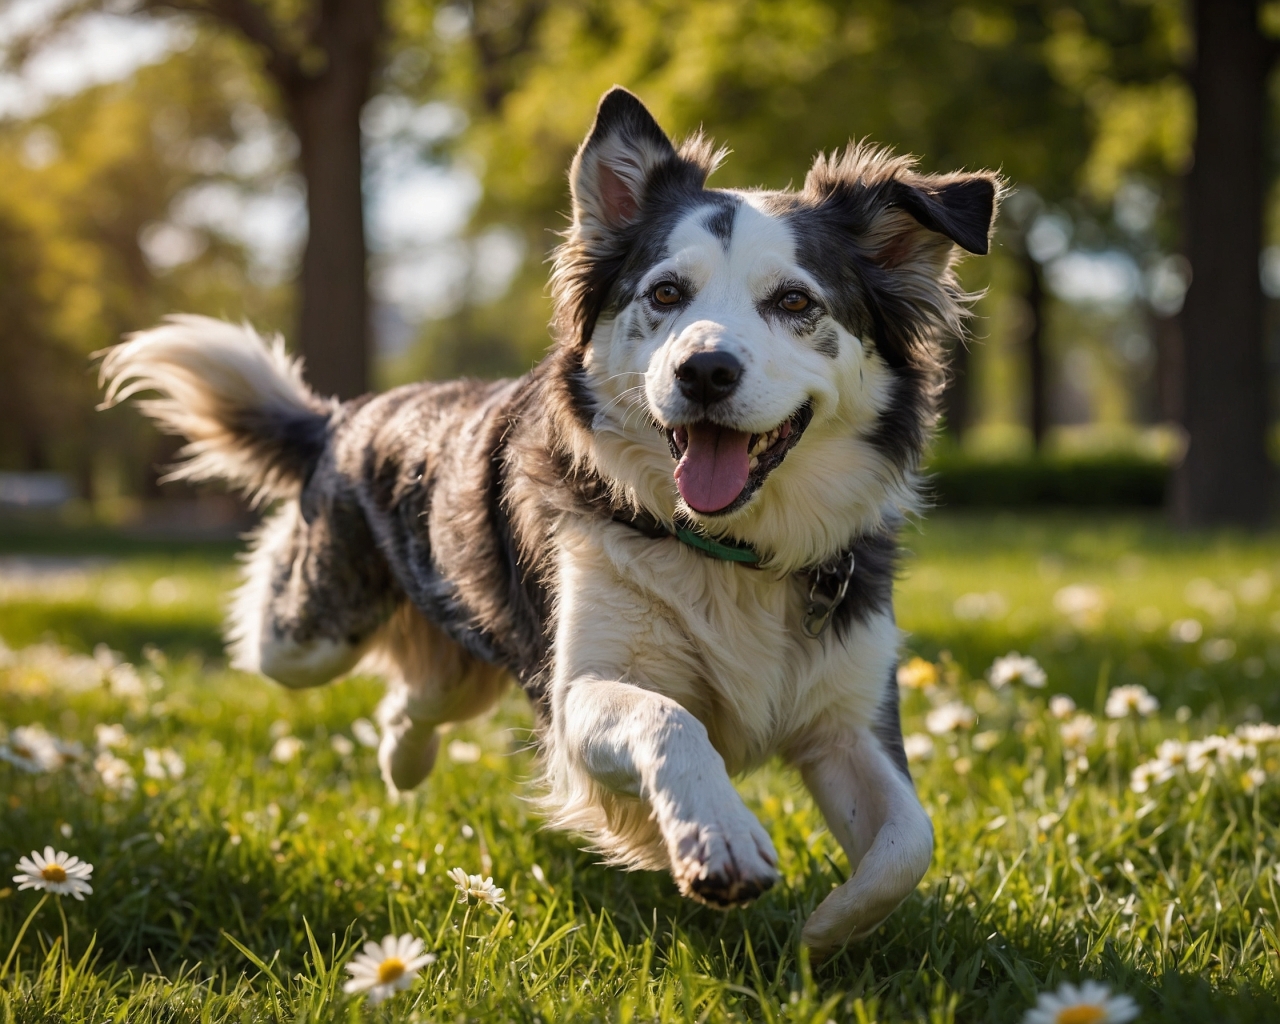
x: 685, y: 533
x: 828, y: 583
x: 732, y: 552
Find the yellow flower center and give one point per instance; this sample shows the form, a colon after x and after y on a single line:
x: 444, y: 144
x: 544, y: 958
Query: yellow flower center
x: 393, y: 967
x: 53, y: 873
x: 1081, y: 1015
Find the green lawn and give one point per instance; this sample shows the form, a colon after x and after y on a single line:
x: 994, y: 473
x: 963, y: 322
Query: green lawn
x: 239, y: 890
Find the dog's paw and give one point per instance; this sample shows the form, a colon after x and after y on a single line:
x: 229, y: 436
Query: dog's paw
x: 723, y: 863
x: 841, y: 919
x: 407, y: 754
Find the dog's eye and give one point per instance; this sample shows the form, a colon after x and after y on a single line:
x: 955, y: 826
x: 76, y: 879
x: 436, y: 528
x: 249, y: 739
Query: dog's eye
x: 667, y: 294
x: 794, y: 302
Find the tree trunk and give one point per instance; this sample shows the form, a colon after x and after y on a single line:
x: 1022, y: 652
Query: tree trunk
x: 955, y: 399
x: 1037, y: 367
x: 1170, y: 385
x: 1224, y: 478
x: 324, y: 110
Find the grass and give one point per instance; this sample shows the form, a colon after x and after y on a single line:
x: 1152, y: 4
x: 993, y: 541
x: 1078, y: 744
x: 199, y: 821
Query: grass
x: 239, y: 890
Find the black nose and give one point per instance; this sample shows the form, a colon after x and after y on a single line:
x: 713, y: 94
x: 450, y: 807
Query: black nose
x: 707, y: 377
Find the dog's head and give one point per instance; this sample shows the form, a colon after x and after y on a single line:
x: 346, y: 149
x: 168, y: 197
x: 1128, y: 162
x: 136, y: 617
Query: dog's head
x: 765, y: 363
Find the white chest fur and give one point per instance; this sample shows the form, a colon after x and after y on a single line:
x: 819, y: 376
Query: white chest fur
x: 720, y: 639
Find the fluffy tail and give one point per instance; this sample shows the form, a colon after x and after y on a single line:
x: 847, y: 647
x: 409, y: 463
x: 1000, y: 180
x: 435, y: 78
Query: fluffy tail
x: 240, y: 402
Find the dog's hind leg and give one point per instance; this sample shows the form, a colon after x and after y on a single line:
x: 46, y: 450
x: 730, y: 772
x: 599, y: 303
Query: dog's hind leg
x: 431, y: 680
x: 858, y: 777
x: 315, y: 591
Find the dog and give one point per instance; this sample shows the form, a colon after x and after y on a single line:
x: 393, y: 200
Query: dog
x: 678, y: 532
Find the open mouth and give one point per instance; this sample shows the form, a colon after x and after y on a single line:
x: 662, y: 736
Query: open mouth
x: 718, y: 468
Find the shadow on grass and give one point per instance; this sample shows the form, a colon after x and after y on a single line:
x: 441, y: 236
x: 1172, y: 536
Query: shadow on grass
x: 930, y: 940
x: 81, y: 627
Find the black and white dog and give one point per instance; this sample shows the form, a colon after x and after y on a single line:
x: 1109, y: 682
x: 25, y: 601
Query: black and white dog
x: 678, y: 532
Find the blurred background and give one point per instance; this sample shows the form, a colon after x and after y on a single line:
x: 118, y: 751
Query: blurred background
x: 382, y: 181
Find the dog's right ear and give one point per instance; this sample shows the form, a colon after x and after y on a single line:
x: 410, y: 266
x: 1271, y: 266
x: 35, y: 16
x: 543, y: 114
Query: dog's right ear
x: 609, y: 174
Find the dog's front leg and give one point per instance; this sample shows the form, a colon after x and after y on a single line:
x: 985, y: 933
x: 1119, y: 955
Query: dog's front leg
x: 638, y: 743
x: 872, y: 809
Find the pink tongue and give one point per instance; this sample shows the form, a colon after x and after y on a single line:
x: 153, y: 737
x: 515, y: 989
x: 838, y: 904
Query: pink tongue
x: 714, y: 468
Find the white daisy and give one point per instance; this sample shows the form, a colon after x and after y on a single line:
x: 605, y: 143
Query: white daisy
x: 59, y: 873
x: 163, y: 764
x: 285, y: 749
x: 383, y: 970
x: 1126, y: 700
x: 342, y: 746
x: 918, y: 746
x: 1259, y: 734
x: 1090, y: 1003
x: 1253, y: 779
x: 110, y: 737
x: 950, y: 717
x: 1016, y: 668
x: 1061, y: 707
x: 33, y: 749
x: 1200, y: 753
x: 365, y: 732
x: 478, y: 886
x: 1150, y: 773
x: 115, y: 773
x: 1172, y: 753
x: 463, y: 752
x: 1079, y: 732
x: 987, y: 740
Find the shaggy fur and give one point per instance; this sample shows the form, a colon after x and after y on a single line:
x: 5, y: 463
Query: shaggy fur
x: 454, y: 535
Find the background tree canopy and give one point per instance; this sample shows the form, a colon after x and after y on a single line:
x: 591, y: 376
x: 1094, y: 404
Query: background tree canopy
x: 187, y: 184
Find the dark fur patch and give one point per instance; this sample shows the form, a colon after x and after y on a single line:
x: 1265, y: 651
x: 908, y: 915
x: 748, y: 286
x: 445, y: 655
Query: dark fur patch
x: 720, y: 221
x: 827, y: 342
x: 598, y: 274
x: 888, y: 725
x: 289, y: 443
x: 871, y: 587
x: 889, y: 282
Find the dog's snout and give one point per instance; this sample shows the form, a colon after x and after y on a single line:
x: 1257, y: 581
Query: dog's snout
x: 707, y: 377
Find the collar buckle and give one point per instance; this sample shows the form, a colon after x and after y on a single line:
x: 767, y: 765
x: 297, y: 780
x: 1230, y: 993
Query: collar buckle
x: 828, y: 586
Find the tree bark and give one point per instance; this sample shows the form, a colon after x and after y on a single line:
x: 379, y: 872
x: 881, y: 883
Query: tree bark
x: 324, y: 107
x: 1224, y: 478
x: 955, y: 399
x: 324, y: 80
x: 1037, y: 365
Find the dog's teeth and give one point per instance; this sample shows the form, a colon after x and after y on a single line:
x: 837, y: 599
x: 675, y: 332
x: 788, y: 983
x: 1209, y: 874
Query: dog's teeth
x: 753, y: 463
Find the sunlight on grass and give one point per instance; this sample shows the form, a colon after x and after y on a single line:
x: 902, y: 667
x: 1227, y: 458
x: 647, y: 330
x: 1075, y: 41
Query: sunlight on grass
x: 239, y: 885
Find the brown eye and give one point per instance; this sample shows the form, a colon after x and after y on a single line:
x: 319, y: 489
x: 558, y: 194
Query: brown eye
x: 794, y: 302
x: 667, y: 294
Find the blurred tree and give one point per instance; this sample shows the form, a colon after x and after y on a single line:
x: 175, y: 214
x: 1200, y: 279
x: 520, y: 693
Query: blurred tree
x: 36, y: 371
x: 1226, y: 476
x: 101, y: 233
x: 322, y: 57
x: 962, y: 84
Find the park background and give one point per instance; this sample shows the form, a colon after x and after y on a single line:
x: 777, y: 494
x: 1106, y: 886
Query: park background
x: 381, y: 181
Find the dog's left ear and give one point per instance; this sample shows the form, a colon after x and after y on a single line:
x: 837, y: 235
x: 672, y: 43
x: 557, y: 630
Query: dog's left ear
x: 613, y: 167
x: 962, y: 208
x: 923, y: 216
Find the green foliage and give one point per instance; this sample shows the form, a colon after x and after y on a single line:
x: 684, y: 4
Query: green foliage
x: 1090, y: 481
x: 86, y: 181
x: 217, y: 896
x: 1065, y: 99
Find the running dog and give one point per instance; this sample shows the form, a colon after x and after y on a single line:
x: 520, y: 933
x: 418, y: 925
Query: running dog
x: 678, y: 532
